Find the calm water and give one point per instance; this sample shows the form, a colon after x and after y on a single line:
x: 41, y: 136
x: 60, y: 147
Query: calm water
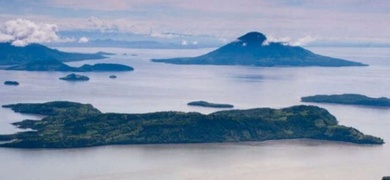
x: 160, y: 87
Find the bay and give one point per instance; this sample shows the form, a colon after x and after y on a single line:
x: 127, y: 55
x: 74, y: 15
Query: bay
x: 164, y: 87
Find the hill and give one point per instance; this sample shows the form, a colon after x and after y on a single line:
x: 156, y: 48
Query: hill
x: 252, y: 49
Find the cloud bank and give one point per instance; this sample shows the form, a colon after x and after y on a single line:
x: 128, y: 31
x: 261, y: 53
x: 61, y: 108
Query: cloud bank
x: 21, y: 32
x: 83, y: 40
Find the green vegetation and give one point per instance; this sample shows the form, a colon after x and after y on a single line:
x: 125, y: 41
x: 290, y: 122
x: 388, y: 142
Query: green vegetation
x: 350, y: 99
x: 253, y: 49
x: 75, y: 77
x: 70, y: 124
x: 207, y: 104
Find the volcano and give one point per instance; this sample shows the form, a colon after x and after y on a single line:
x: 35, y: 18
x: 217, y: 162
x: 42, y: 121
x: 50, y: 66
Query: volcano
x: 253, y: 49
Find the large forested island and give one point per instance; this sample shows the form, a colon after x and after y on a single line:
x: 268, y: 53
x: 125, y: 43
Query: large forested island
x: 70, y: 124
x: 349, y: 99
x: 13, y: 55
x: 253, y: 49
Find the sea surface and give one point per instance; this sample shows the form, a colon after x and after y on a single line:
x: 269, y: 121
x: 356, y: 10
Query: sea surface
x: 164, y: 87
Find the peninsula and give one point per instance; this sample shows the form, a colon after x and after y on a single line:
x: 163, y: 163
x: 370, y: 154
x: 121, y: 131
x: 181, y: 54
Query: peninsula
x: 71, y: 124
x: 349, y: 99
x: 55, y: 65
x: 207, y: 104
x: 253, y: 49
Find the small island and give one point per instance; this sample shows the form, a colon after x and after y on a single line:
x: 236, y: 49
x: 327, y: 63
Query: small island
x: 11, y: 83
x: 71, y: 125
x: 348, y: 99
x: 386, y: 178
x: 211, y: 105
x: 104, y: 67
x: 112, y: 77
x: 75, y: 77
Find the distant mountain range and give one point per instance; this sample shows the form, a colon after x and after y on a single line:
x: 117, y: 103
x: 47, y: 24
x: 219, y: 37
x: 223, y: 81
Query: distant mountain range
x: 13, y: 55
x: 141, y: 44
x: 253, y: 49
x: 167, y: 40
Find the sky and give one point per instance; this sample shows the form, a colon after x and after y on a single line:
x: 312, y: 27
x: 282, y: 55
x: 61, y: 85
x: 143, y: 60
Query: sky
x: 295, y: 21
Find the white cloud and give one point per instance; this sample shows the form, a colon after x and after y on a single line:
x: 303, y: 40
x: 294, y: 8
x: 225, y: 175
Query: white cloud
x: 21, y: 32
x: 278, y: 39
x: 5, y: 37
x: 270, y: 39
x: 101, y: 24
x: 83, y: 40
x: 303, y: 41
x: 114, y: 25
x: 164, y: 35
x: 289, y: 41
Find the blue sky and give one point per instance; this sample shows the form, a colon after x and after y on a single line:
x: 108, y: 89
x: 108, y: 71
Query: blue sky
x: 296, y: 21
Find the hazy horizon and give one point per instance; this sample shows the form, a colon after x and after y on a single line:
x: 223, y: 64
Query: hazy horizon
x: 201, y: 23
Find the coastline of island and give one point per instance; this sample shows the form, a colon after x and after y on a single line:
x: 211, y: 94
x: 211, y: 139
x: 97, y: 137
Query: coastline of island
x: 71, y: 125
